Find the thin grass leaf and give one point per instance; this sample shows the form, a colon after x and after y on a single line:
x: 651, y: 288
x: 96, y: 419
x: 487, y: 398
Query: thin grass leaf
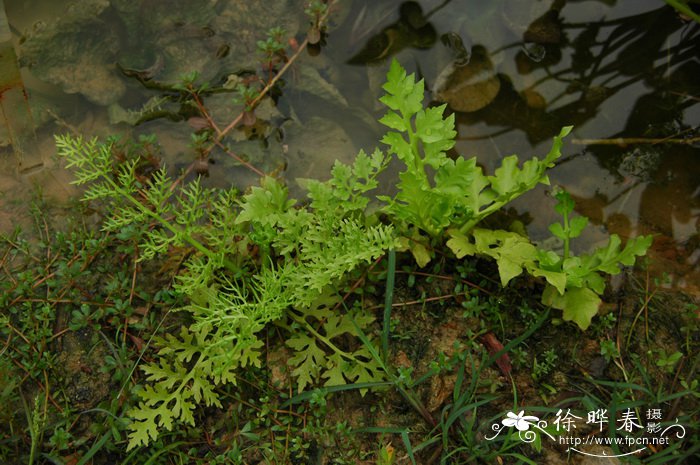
x: 388, y: 300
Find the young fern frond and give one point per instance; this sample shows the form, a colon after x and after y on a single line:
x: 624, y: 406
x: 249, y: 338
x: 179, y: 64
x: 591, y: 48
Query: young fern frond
x: 329, y: 253
x: 155, y: 243
x: 185, y: 375
x: 97, y: 191
x: 199, y: 272
x: 94, y: 164
x: 124, y: 216
x: 458, y: 195
x: 242, y: 307
x: 157, y: 193
x: 193, y: 204
x: 346, y: 190
x: 126, y: 177
x: 90, y: 158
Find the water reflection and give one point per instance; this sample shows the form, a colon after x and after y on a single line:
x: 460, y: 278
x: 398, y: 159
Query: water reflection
x: 412, y: 29
x: 623, y: 73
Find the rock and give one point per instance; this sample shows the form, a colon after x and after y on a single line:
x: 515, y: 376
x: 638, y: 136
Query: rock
x: 401, y: 360
x: 412, y: 30
x: 441, y: 388
x: 77, y: 52
x: 445, y: 340
x: 469, y: 87
x: 310, y: 80
x: 81, y: 357
x: 311, y: 154
x: 242, y: 23
x: 167, y: 40
x: 553, y: 458
x: 9, y: 213
x: 279, y: 371
x: 154, y: 107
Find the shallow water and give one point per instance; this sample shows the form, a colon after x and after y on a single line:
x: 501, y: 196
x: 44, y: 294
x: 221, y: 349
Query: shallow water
x: 624, y: 73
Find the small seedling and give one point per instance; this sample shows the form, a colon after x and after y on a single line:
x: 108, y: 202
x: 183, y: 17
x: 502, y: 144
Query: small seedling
x: 543, y: 368
x: 665, y: 361
x: 608, y: 349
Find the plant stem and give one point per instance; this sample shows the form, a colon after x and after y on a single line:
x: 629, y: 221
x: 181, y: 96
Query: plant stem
x: 388, y: 299
x: 413, y: 142
x: 466, y: 227
x: 274, y: 80
x: 567, y: 234
x: 302, y: 321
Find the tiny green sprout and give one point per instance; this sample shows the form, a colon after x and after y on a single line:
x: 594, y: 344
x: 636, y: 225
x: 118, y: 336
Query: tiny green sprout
x: 692, y: 387
x: 605, y: 323
x: 246, y: 95
x: 519, y: 356
x: 404, y: 376
x: 148, y: 139
x: 276, y: 33
x: 543, y: 368
x: 386, y: 455
x: 318, y: 398
x: 667, y: 361
x: 570, y: 228
x: 273, y: 45
x: 315, y: 9
x: 80, y: 318
x: 60, y: 439
x: 187, y: 80
x: 198, y: 140
x: 608, y: 349
x: 187, y: 83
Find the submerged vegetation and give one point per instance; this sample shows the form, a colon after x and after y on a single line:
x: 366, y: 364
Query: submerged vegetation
x: 209, y: 325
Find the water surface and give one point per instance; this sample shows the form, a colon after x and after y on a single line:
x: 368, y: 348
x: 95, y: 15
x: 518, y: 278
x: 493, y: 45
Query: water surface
x: 624, y: 73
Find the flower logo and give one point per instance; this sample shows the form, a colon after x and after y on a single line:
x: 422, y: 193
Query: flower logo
x: 520, y: 421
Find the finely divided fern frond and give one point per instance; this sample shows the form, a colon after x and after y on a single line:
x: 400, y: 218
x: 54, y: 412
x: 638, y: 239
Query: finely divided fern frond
x: 264, y: 258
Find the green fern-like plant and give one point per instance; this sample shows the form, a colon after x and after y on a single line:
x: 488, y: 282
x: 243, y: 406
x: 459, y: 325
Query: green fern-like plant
x: 305, y: 252
x: 263, y: 258
x: 132, y: 202
x: 579, y: 296
x: 315, y: 335
x: 457, y: 196
x: 574, y: 284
